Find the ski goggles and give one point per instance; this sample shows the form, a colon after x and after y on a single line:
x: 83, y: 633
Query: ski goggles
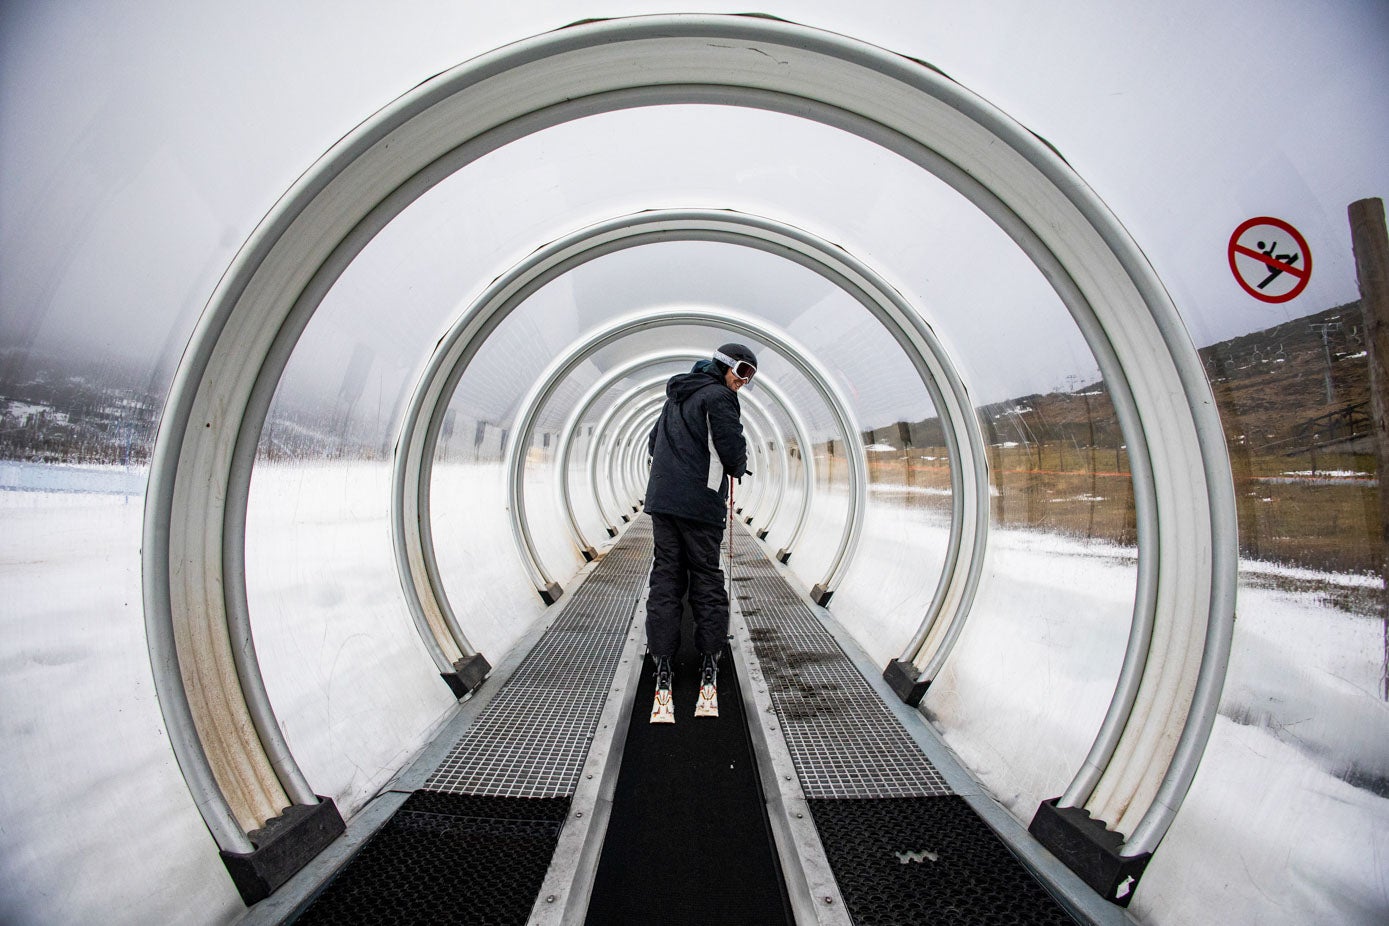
x: 741, y: 368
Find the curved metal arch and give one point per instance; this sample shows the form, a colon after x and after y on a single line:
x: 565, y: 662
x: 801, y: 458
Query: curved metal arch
x: 759, y: 454
x: 1178, y: 649
x: 629, y: 368
x: 787, y: 348
x: 964, y: 441
x: 625, y: 450
x: 575, y: 421
x: 808, y: 470
x: 783, y: 458
x: 600, y: 432
x: 959, y: 576
x: 625, y: 463
x: 628, y: 413
x: 757, y: 451
x: 633, y: 412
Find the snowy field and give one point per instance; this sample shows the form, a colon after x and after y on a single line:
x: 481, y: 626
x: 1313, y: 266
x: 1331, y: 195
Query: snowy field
x: 1288, y: 820
x: 98, y: 824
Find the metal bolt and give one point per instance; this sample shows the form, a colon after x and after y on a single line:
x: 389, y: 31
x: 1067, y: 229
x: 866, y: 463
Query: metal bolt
x: 800, y: 816
x: 579, y: 814
x: 829, y: 900
x: 550, y: 899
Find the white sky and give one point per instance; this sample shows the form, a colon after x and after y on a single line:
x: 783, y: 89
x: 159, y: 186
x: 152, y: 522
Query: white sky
x: 141, y: 143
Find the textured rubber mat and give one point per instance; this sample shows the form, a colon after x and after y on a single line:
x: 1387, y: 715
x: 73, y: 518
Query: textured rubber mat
x: 447, y: 858
x: 927, y: 860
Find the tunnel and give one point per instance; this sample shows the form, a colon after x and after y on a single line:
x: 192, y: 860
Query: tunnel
x: 335, y: 338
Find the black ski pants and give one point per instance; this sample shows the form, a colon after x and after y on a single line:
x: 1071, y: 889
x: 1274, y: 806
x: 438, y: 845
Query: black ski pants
x: 686, y: 559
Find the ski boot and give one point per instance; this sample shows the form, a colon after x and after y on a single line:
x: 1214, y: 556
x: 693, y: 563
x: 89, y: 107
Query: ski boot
x: 708, y: 703
x: 663, y: 707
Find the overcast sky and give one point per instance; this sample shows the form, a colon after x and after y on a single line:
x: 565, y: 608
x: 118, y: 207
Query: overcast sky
x: 141, y: 142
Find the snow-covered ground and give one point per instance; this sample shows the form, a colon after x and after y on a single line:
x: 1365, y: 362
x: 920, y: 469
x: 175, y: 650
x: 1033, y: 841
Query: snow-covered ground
x: 96, y: 821
x: 1287, y: 822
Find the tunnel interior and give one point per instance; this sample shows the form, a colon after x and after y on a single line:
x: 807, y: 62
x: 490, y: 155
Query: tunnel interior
x: 307, y: 456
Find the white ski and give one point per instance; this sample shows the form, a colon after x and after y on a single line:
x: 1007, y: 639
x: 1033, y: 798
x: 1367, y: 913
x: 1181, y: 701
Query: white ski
x: 663, y: 707
x: 708, y: 703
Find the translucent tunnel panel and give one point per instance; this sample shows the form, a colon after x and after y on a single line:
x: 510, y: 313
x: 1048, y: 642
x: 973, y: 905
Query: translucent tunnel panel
x: 1299, y: 743
x: 586, y: 511
x: 343, y: 664
x: 1054, y: 607
x: 481, y: 574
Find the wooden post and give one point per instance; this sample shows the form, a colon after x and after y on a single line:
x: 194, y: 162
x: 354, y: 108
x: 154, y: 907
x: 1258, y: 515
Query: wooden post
x: 1371, y: 244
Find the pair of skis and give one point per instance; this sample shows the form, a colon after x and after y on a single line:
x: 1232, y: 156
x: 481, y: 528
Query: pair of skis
x: 663, y: 706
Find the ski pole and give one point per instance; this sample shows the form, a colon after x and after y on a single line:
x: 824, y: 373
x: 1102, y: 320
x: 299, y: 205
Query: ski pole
x: 730, y: 538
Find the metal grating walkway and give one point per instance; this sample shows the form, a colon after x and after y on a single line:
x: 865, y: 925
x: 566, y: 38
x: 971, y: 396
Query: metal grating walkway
x: 532, y: 739
x: 843, y: 740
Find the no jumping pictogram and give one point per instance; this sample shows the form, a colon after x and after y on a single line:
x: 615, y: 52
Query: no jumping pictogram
x: 1270, y: 259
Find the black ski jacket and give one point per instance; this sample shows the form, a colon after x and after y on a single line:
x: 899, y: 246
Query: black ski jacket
x: 701, y: 414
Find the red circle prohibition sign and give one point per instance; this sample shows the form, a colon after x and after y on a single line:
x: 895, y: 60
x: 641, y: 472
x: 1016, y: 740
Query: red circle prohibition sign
x: 1266, y: 264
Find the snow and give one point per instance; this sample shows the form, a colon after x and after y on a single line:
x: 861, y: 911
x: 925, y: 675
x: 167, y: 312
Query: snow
x: 88, y: 776
x: 1255, y: 567
x: 894, y: 489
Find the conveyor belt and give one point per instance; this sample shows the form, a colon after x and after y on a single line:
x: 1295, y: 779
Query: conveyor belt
x: 688, y: 842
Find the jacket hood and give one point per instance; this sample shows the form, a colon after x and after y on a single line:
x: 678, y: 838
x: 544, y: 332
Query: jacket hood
x: 683, y: 385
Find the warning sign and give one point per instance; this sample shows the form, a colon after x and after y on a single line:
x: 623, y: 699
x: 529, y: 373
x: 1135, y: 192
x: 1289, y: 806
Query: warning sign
x: 1270, y: 259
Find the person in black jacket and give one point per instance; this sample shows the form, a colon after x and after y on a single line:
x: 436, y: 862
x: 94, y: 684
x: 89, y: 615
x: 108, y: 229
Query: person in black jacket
x: 696, y: 446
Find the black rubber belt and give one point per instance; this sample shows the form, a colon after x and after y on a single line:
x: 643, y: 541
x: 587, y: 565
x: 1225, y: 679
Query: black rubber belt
x: 688, y: 841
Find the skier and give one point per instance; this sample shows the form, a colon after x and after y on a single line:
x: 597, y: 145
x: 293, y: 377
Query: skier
x: 696, y: 447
